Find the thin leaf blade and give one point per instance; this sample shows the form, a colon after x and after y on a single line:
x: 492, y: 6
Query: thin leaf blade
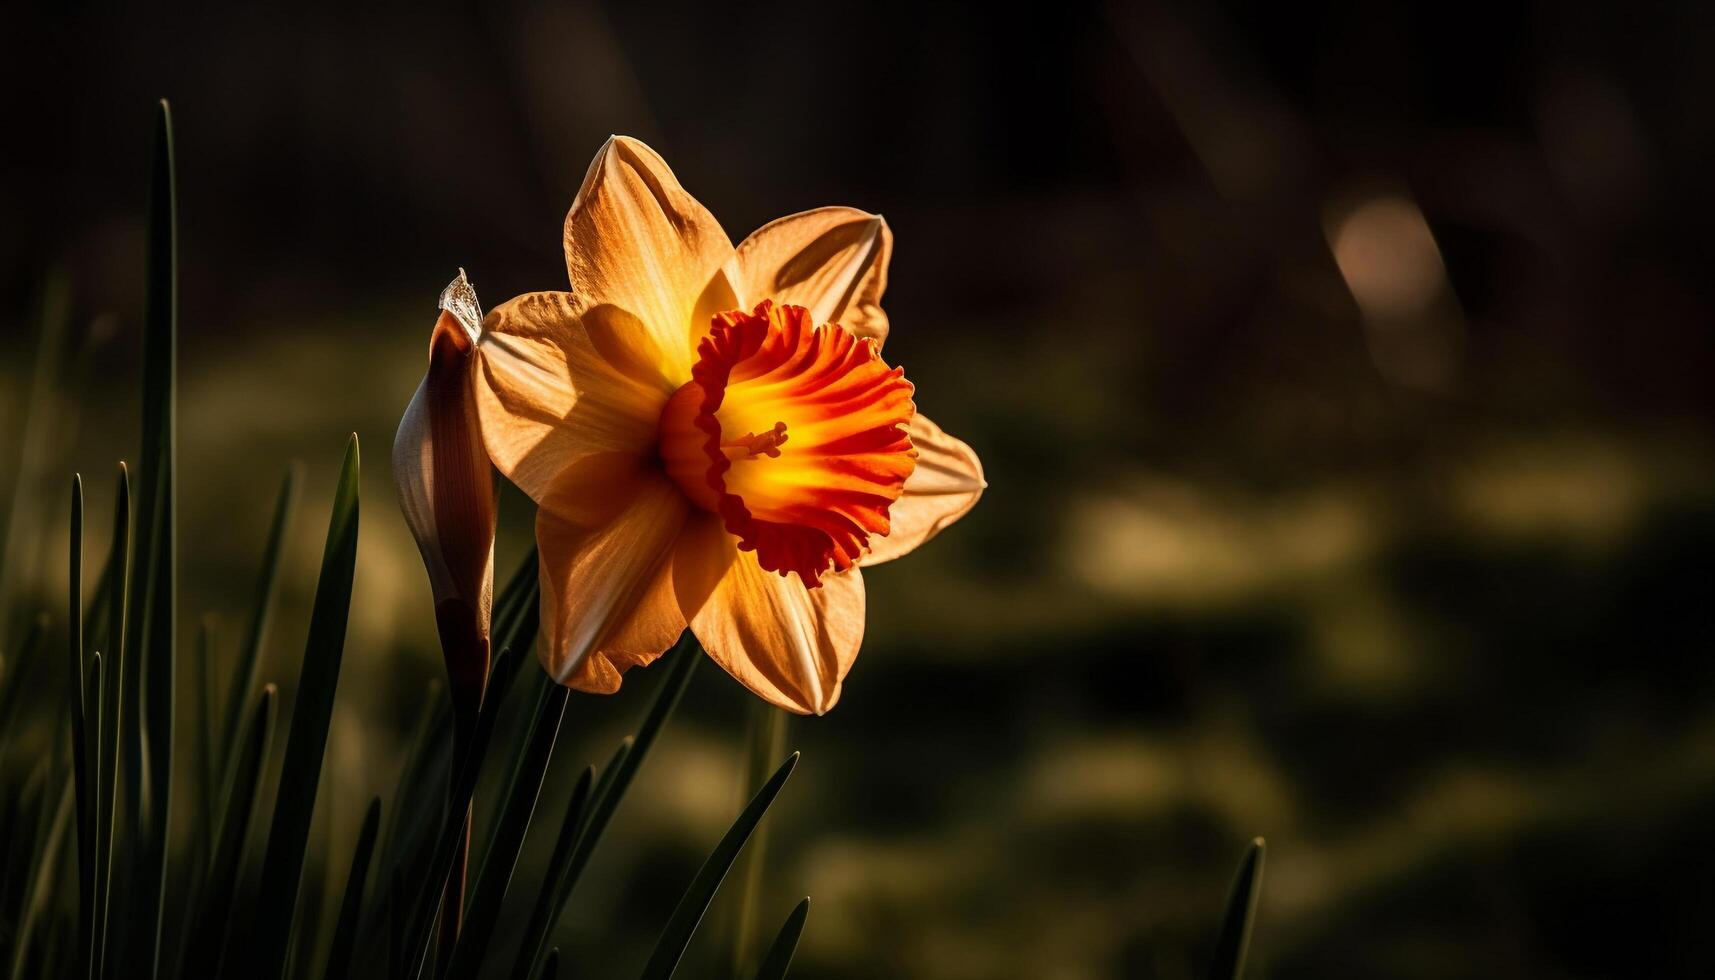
x: 116, y: 690
x: 523, y: 789
x: 670, y: 948
x: 779, y: 956
x: 152, y: 631
x: 239, y: 795
x: 1235, y: 937
x: 351, y: 907
x: 306, y: 739
x: 244, y: 672
x: 77, y: 700
x: 682, y: 660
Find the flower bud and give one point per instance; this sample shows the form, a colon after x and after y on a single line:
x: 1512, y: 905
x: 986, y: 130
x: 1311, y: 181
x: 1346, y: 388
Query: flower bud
x: 446, y: 490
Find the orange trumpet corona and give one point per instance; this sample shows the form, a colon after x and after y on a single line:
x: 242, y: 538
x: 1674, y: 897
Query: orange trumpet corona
x: 795, y: 434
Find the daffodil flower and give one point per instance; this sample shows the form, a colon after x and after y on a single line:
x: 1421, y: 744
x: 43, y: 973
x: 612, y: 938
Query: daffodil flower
x: 711, y: 436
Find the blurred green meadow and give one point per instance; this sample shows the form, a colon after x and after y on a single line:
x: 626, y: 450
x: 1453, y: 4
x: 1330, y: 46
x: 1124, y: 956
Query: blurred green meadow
x: 1342, y: 381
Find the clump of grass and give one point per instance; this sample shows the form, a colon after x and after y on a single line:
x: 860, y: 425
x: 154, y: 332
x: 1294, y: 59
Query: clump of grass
x: 90, y: 885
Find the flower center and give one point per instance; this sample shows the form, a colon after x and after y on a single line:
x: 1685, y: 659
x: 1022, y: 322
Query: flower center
x: 794, y: 434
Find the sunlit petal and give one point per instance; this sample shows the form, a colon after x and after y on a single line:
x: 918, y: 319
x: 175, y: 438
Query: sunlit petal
x: 605, y: 593
x: 946, y: 483
x: 831, y: 261
x: 558, y: 383
x: 638, y: 639
x: 637, y: 241
x: 790, y: 645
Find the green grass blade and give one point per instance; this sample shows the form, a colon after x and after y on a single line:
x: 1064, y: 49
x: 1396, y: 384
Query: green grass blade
x: 39, y: 890
x: 306, y: 740
x: 447, y: 844
x: 503, y: 671
x: 514, y: 622
x: 88, y: 859
x: 685, y: 656
x: 117, y: 579
x: 523, y: 789
x: 407, y: 810
x: 681, y: 661
x: 779, y: 956
x: 543, y: 913
x: 550, y: 965
x: 1235, y: 938
x: 74, y: 585
x: 351, y: 907
x: 516, y: 619
x: 521, y: 590
x: 194, y: 869
x: 765, y: 741
x: 77, y: 700
x: 250, y: 655
x: 516, y: 743
x: 677, y: 935
x: 256, y: 734
x: 604, y: 784
x: 152, y: 632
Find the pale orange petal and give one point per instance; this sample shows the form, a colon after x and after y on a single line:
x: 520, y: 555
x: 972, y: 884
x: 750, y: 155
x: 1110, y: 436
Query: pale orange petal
x: 602, y: 568
x: 831, y: 261
x: 557, y: 384
x: 790, y: 645
x: 946, y: 483
x: 637, y: 241
x: 637, y: 640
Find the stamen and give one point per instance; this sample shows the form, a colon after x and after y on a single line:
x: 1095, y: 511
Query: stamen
x: 751, y: 445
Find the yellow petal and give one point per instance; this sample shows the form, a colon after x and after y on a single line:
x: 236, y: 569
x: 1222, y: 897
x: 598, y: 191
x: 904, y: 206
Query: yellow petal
x: 558, y: 384
x: 637, y: 241
x: 946, y: 483
x: 603, y: 565
x: 831, y: 261
x: 790, y: 645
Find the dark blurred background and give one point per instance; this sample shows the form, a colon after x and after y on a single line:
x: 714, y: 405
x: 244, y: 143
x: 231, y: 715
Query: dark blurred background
x: 1343, y: 377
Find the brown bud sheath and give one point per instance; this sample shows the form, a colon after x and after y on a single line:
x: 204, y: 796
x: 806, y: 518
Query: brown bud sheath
x: 446, y: 490
x: 463, y: 501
